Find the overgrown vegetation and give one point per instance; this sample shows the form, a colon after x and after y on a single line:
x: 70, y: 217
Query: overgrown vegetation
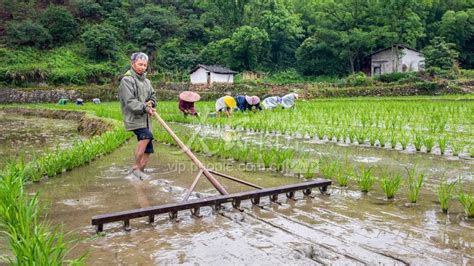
x: 312, y: 38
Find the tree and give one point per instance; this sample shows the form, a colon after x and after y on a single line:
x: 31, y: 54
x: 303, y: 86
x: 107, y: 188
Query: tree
x: 320, y: 55
x: 440, y: 54
x: 28, y: 33
x: 60, y: 23
x: 284, y: 31
x: 352, y: 31
x: 401, y: 22
x: 101, y: 41
x: 249, y: 47
x: 151, y: 25
x: 458, y: 28
x: 246, y: 49
x: 89, y: 9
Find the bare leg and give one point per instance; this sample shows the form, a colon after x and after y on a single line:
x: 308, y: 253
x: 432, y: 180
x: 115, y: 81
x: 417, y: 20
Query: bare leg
x: 144, y: 161
x: 139, y: 153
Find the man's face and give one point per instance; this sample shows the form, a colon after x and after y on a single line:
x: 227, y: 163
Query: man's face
x: 139, y: 66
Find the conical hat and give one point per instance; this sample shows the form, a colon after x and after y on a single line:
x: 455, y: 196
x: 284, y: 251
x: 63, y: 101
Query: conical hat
x: 252, y: 100
x: 189, y: 96
x: 230, y: 101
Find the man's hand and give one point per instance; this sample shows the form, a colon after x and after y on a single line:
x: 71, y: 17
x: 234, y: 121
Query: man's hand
x: 149, y: 107
x: 150, y: 110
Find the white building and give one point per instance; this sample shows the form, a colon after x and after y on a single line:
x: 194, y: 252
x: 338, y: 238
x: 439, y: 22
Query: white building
x: 204, y: 74
x: 398, y: 58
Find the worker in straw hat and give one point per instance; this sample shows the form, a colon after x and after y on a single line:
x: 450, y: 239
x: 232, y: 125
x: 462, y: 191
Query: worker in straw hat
x: 226, y: 105
x: 186, y: 103
x: 245, y: 103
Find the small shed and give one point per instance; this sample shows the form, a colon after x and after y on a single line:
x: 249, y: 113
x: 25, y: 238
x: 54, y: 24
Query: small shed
x: 397, y: 58
x: 208, y: 74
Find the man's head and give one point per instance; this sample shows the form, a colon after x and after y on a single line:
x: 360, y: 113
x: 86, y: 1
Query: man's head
x: 139, y: 62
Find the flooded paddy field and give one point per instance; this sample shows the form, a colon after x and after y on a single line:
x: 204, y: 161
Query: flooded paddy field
x: 29, y: 136
x: 345, y: 227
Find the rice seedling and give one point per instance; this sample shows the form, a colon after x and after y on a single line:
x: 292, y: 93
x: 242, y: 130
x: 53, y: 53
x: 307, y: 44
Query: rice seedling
x: 342, y: 176
x: 418, y: 140
x: 310, y: 169
x: 282, y: 157
x: 360, y: 137
x: 457, y: 148
x: 467, y: 201
x: 382, y: 139
x: 442, y: 144
x: 393, y: 140
x: 390, y: 184
x: 404, y: 140
x: 415, y: 182
x: 365, y: 179
x: 445, y: 194
x: 267, y: 158
x: 328, y: 168
x: 373, y: 137
x: 429, y: 143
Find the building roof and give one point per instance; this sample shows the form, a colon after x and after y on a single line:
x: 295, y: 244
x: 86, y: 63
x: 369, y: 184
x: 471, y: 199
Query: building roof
x: 395, y: 45
x: 213, y: 68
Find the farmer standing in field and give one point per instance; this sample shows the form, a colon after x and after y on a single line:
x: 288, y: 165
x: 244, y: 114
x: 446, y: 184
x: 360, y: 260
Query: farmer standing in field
x: 138, y: 102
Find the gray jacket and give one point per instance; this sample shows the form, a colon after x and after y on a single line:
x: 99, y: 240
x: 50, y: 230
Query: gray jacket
x: 134, y: 91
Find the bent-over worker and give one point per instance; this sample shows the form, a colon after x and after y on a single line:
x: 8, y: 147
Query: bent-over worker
x: 186, y: 102
x: 225, y: 105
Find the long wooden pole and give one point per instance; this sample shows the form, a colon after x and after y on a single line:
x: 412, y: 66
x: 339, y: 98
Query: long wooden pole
x: 191, y: 156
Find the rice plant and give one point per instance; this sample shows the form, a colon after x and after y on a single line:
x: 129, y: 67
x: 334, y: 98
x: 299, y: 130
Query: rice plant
x: 309, y: 168
x: 442, y: 144
x: 393, y: 140
x: 328, y: 168
x: 365, y: 178
x: 457, y: 148
x: 445, y: 194
x: 342, y: 176
x: 267, y: 159
x: 418, y: 141
x: 415, y: 182
x: 429, y: 143
x: 467, y: 201
x: 404, y: 140
x: 390, y: 184
x: 382, y: 139
x: 282, y: 157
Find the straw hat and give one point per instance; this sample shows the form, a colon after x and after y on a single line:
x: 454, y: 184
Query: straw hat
x: 189, y: 96
x: 230, y: 101
x: 252, y: 100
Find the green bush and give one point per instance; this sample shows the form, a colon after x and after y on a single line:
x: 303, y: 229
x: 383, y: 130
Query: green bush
x: 60, y: 23
x: 28, y: 33
x: 101, y: 41
x: 394, y: 77
x: 358, y: 79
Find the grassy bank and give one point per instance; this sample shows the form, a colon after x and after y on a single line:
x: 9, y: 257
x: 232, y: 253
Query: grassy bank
x: 32, y: 240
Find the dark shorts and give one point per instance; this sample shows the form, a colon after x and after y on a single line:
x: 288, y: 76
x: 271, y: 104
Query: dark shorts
x: 145, y: 133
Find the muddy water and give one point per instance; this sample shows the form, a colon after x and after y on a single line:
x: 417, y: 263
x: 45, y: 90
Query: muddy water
x: 28, y: 136
x: 345, y: 227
